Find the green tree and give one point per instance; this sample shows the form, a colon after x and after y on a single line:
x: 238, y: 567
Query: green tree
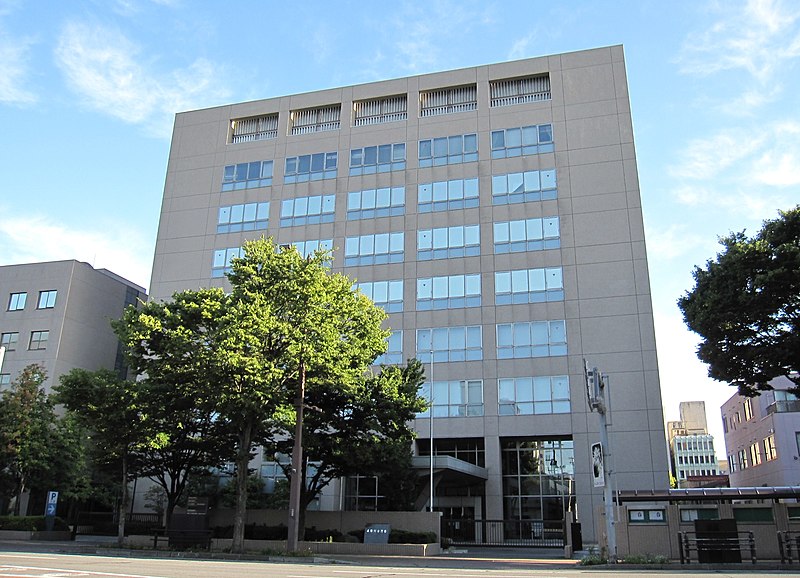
x: 105, y: 404
x: 313, y: 333
x: 745, y: 306
x: 27, y: 432
x: 360, y: 429
x: 171, y: 346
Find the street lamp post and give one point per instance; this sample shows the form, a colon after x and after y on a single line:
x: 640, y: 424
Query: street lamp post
x: 431, y: 418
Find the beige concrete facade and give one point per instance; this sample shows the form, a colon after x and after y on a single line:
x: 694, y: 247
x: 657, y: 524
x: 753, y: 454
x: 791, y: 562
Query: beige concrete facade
x: 74, y: 304
x: 600, y: 253
x: 762, y: 437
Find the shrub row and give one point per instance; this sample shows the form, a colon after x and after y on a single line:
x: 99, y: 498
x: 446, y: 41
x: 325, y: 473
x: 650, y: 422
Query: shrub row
x: 280, y: 532
x: 30, y: 523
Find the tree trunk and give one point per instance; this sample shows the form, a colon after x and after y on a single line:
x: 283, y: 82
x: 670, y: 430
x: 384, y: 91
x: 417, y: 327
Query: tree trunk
x: 123, y: 506
x: 298, y: 467
x: 18, y: 502
x: 242, y: 461
x: 171, y: 503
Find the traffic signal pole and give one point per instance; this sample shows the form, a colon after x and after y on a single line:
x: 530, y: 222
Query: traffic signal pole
x: 600, y: 401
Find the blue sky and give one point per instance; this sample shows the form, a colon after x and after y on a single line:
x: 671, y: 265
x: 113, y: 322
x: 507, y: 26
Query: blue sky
x: 88, y: 90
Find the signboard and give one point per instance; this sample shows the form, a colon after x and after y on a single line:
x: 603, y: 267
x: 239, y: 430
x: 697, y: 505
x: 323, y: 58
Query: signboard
x: 197, y: 505
x: 377, y: 534
x: 598, y: 468
x: 52, y: 502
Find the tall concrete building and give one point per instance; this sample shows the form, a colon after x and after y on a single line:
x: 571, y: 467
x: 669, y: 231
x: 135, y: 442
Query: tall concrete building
x: 762, y: 437
x: 494, y: 213
x: 58, y: 315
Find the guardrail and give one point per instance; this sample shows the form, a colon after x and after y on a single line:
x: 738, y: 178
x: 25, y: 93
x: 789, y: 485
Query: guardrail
x: 706, y: 546
x: 786, y: 541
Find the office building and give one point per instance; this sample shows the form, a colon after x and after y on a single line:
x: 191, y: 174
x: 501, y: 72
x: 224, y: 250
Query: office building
x: 692, y: 455
x: 58, y: 315
x: 494, y: 213
x: 762, y: 437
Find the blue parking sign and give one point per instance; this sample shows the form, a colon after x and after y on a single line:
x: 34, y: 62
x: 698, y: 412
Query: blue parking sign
x: 52, y: 501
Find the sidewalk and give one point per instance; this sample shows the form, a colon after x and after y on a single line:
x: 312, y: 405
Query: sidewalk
x: 474, y: 558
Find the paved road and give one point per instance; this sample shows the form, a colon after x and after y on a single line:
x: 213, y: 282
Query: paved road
x: 51, y: 565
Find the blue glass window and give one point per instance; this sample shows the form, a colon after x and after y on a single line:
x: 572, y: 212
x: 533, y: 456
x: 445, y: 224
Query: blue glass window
x: 456, y: 398
x: 247, y: 217
x: 528, y: 286
x: 378, y: 159
x: 525, y: 140
x: 526, y: 235
x: 247, y: 176
x: 221, y: 262
x: 450, y: 344
x: 373, y: 249
x: 524, y: 187
x: 448, y: 242
x: 307, y: 210
x: 445, y: 195
x: 371, y: 203
x: 387, y: 295
x: 453, y: 292
x: 16, y: 301
x: 310, y: 168
x: 47, y: 299
x: 531, y: 339
x: 394, y: 350
x: 307, y: 248
x: 460, y: 148
x: 534, y: 395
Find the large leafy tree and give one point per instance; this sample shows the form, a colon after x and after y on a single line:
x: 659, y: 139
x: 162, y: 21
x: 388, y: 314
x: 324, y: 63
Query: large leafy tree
x: 105, y: 404
x: 171, y: 346
x: 745, y: 306
x: 38, y: 450
x: 360, y: 429
x: 293, y: 326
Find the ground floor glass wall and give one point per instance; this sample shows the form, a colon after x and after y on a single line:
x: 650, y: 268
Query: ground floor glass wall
x: 538, y: 478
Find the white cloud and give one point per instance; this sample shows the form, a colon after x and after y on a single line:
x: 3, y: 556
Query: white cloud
x: 521, y: 47
x: 745, y: 171
x: 102, y: 65
x: 673, y: 242
x: 780, y: 164
x: 426, y: 28
x: 759, y: 37
x: 14, y: 70
x: 705, y: 158
x: 116, y: 247
x: 14, y: 51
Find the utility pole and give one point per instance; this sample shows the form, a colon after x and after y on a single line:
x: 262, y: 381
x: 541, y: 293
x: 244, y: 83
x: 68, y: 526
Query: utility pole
x: 599, y: 397
x: 432, y: 485
x: 298, y: 470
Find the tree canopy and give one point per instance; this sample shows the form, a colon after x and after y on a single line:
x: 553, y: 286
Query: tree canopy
x: 745, y: 306
x: 290, y: 335
x: 106, y: 406
x: 38, y: 450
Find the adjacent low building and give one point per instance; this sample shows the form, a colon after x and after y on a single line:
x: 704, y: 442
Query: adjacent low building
x: 58, y: 315
x: 762, y: 437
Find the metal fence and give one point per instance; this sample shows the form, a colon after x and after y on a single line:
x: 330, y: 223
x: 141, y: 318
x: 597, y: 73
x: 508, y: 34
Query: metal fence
x: 522, y: 533
x: 106, y: 523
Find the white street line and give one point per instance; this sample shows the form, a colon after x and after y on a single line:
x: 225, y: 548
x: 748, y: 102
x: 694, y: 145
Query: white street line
x: 67, y: 572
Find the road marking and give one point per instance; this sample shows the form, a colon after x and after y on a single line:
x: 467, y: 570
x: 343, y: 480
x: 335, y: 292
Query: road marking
x: 62, y: 572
